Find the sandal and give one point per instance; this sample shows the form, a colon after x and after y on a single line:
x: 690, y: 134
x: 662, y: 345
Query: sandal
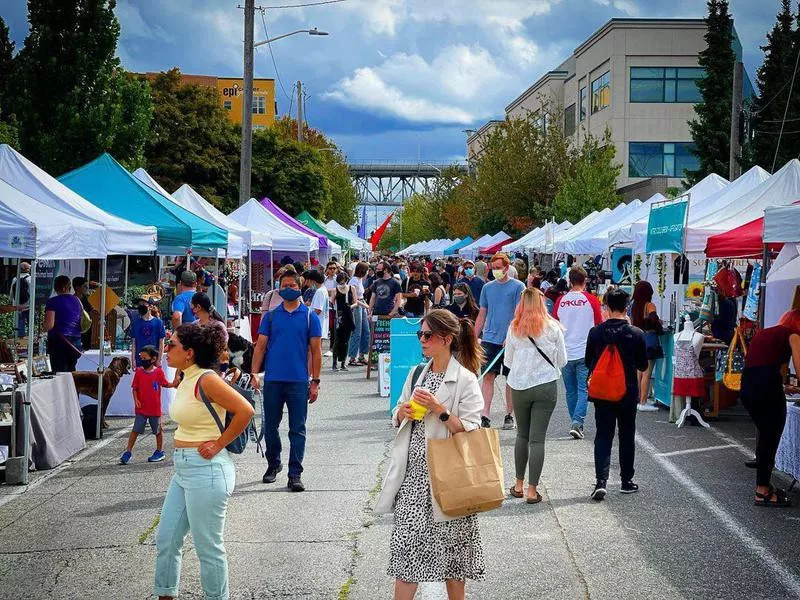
x: 514, y: 493
x: 536, y: 500
x: 781, y: 499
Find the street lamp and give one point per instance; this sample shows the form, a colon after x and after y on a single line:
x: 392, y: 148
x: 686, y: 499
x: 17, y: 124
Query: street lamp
x: 314, y: 31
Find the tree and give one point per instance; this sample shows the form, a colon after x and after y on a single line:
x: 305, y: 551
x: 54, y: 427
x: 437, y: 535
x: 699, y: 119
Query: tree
x: 590, y: 184
x: 711, y: 129
x: 6, y: 63
x: 70, y: 94
x: 191, y: 141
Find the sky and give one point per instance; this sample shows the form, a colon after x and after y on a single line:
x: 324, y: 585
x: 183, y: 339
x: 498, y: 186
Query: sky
x: 395, y: 79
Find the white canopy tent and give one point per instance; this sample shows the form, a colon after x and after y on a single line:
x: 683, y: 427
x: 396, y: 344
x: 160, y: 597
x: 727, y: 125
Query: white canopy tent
x: 119, y: 236
x: 594, y: 240
x: 520, y: 243
x: 536, y: 238
x: 541, y: 244
x: 482, y: 242
x: 624, y: 233
x: 498, y: 237
x: 254, y: 216
x: 356, y: 242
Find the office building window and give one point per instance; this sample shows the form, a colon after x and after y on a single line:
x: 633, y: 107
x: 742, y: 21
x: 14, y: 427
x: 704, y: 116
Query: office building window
x: 673, y: 159
x: 666, y: 84
x: 583, y: 104
x: 540, y: 121
x: 601, y: 92
x: 227, y: 105
x: 569, y: 120
x: 259, y: 105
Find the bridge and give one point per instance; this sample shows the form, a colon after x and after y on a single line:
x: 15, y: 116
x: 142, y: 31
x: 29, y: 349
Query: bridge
x: 391, y: 183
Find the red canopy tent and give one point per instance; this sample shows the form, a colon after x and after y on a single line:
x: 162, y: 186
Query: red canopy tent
x: 495, y: 247
x: 745, y: 241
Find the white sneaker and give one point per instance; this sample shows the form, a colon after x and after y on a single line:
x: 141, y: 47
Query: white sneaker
x: 329, y: 353
x: 646, y: 407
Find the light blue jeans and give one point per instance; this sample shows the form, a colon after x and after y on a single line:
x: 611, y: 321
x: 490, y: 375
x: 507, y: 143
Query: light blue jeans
x: 359, y: 339
x: 196, y: 501
x: 575, y: 375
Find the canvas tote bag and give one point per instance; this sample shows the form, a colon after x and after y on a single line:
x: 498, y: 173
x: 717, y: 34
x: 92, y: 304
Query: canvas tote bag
x: 466, y: 472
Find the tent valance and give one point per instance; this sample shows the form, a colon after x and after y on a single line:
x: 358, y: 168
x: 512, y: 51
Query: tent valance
x: 355, y: 242
x: 284, y: 217
x: 307, y: 219
x: 254, y: 216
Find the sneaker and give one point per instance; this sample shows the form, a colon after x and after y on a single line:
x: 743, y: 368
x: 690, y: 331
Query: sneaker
x: 158, y: 456
x: 646, y: 407
x: 352, y: 363
x: 599, y: 492
x: 486, y: 422
x: 751, y: 464
x: 335, y: 367
x: 576, y: 431
x: 628, y: 487
x: 272, y: 474
x: 126, y: 457
x: 296, y: 485
x: 343, y: 367
x: 328, y: 354
x: 508, y: 422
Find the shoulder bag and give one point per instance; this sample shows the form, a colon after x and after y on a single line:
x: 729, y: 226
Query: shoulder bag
x: 544, y: 356
x: 732, y: 378
x: 237, y: 446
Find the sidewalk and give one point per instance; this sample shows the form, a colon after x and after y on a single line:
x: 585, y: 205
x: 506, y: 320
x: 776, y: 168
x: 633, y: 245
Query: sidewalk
x: 692, y: 532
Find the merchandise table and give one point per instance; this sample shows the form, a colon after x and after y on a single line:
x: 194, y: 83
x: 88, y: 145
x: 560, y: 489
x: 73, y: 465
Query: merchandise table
x: 56, y: 432
x: 121, y: 404
x: 788, y: 457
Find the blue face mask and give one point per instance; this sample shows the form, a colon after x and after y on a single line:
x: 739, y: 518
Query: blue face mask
x: 469, y: 272
x: 290, y: 294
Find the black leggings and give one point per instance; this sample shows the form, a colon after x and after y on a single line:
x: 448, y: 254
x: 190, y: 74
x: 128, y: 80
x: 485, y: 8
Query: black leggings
x: 764, y: 399
x: 342, y: 340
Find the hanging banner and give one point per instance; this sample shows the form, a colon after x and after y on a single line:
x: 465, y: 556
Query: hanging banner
x: 622, y: 267
x: 46, y: 272
x: 115, y: 274
x: 405, y: 354
x: 751, y: 304
x: 666, y: 225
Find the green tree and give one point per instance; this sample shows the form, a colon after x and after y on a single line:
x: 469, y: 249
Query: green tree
x: 711, y: 129
x: 291, y: 174
x: 71, y: 97
x: 191, y: 141
x: 6, y: 63
x: 590, y: 183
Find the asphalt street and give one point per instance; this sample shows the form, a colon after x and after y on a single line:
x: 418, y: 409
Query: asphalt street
x: 86, y: 530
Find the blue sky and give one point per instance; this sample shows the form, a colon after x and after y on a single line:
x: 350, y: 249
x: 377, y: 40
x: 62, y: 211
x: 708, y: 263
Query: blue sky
x: 395, y: 79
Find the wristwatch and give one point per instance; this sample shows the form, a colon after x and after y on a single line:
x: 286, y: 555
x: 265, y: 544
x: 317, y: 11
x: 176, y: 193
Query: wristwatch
x: 315, y: 380
x: 444, y: 416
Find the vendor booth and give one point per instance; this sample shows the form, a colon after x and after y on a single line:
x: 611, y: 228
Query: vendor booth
x: 356, y: 243
x: 453, y: 249
x: 326, y: 248
x: 307, y: 219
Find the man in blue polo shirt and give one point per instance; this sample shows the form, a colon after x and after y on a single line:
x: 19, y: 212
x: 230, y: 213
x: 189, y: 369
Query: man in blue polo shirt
x: 287, y: 337
x: 475, y: 283
x: 182, y: 305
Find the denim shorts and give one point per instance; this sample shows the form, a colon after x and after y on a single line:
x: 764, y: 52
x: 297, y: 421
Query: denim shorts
x: 141, y: 421
x: 490, y: 351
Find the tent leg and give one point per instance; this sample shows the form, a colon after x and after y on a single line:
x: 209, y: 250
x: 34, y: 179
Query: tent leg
x: 15, y: 300
x: 214, y: 295
x: 271, y: 274
x: 250, y: 278
x: 26, y: 405
x: 762, y: 286
x: 102, y: 343
x: 125, y: 288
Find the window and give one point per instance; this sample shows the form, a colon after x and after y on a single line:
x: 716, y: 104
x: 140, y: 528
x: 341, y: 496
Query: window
x: 540, y: 121
x: 259, y: 105
x: 673, y: 159
x: 569, y: 120
x: 227, y: 105
x: 258, y: 127
x: 666, y: 84
x: 601, y: 92
x: 583, y: 104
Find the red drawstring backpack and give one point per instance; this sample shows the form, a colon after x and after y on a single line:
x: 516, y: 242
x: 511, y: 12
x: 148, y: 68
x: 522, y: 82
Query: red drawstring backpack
x: 607, y: 381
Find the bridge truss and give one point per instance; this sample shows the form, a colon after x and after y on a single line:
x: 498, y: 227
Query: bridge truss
x: 392, y: 183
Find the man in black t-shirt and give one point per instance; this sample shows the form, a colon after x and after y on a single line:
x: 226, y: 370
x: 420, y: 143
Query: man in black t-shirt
x: 386, y: 294
x: 416, y: 292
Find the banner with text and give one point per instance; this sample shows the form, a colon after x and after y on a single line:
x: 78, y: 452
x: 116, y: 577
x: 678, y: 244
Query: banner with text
x: 665, y: 227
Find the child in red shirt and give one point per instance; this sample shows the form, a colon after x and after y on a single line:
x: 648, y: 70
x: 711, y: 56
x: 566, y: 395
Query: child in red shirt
x: 147, y: 383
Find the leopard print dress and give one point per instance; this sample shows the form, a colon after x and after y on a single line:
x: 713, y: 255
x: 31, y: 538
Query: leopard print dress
x: 422, y: 549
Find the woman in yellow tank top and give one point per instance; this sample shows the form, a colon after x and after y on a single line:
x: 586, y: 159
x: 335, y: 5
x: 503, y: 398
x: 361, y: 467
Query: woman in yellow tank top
x: 204, y: 475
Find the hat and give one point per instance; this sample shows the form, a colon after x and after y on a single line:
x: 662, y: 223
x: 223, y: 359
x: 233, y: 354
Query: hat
x: 188, y: 278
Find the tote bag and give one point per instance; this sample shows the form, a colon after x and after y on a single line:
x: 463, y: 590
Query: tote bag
x: 732, y: 378
x: 466, y: 472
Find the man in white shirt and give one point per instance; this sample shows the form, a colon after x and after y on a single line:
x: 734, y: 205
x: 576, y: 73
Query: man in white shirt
x: 320, y: 302
x: 579, y: 311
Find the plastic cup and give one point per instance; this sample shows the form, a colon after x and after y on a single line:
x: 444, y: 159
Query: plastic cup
x: 418, y: 411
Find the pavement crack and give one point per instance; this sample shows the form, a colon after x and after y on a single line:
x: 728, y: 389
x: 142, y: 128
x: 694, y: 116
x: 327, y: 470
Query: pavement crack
x: 70, y: 549
x: 149, y: 530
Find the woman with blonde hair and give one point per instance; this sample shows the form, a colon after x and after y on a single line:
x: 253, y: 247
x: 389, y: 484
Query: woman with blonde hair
x: 535, y: 354
x: 426, y: 544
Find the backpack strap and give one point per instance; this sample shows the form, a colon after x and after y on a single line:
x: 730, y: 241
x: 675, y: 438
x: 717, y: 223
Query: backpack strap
x: 199, y: 389
x: 544, y: 356
x: 415, y: 376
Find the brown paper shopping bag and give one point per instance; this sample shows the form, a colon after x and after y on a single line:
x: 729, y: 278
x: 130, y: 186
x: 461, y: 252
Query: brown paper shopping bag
x: 467, y: 472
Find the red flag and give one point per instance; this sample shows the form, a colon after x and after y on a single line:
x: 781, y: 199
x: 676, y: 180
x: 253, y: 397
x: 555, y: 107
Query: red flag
x: 378, y: 233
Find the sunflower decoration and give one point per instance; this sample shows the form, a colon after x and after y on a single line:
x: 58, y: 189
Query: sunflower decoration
x: 695, y: 291
x: 661, y: 270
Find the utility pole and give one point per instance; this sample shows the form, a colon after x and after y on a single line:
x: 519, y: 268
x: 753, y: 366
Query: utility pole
x: 299, y: 111
x: 247, y: 104
x: 736, y: 114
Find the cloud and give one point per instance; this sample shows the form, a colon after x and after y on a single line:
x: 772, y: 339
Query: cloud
x: 628, y: 7
x: 134, y: 25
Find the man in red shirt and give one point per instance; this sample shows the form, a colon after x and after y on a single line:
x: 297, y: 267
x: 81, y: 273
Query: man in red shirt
x: 147, y: 383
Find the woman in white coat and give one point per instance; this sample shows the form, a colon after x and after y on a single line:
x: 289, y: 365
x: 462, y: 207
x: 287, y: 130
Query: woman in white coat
x: 427, y: 545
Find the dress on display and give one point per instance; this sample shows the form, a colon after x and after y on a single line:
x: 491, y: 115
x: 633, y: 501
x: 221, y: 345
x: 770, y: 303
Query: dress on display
x: 688, y: 379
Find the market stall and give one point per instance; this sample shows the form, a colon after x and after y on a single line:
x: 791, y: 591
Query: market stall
x: 307, y: 219
x: 326, y: 247
x: 453, y: 249
x: 356, y: 243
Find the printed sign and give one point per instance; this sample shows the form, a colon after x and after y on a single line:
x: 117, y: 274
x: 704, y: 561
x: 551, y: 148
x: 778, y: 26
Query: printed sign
x: 115, y: 273
x: 406, y: 353
x: 384, y: 374
x: 622, y: 267
x: 665, y: 227
x: 381, y: 338
x: 751, y: 304
x: 16, y: 241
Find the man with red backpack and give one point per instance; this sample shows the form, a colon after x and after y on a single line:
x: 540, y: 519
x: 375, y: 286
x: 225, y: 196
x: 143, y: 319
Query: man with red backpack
x: 615, y: 350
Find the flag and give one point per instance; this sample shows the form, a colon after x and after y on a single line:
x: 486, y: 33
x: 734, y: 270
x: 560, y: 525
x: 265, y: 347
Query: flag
x: 549, y: 235
x: 362, y: 226
x: 378, y: 234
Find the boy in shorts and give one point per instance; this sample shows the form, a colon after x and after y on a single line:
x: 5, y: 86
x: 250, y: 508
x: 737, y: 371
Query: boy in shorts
x: 147, y: 383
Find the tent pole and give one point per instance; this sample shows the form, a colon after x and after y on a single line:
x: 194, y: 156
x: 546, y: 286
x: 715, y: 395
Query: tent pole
x: 15, y: 300
x: 101, y: 362
x: 762, y: 286
x: 125, y: 288
x: 250, y: 278
x: 26, y: 405
x: 217, y: 300
x: 271, y: 259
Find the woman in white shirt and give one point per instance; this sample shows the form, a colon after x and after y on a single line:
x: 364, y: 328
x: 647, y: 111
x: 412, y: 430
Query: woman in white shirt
x: 535, y: 354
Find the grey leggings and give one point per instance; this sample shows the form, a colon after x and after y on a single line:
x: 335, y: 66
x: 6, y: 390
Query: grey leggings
x: 533, y: 408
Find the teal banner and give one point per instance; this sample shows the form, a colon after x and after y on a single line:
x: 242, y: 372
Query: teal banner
x: 665, y: 227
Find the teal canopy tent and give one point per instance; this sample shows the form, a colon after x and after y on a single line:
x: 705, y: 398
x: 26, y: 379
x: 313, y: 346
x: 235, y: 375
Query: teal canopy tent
x: 457, y: 246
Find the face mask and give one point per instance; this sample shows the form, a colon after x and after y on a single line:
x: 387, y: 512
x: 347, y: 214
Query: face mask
x: 380, y: 274
x: 342, y: 288
x: 147, y: 363
x: 289, y: 294
x: 469, y: 272
x: 498, y: 273
x: 459, y: 299
x: 143, y: 310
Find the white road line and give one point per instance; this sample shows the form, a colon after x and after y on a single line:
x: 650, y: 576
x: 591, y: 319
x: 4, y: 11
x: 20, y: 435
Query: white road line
x: 748, y: 452
x: 693, y: 450
x: 783, y: 574
x: 6, y: 498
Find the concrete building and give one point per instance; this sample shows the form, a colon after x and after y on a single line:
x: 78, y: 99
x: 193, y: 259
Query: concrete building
x: 230, y: 91
x: 636, y: 77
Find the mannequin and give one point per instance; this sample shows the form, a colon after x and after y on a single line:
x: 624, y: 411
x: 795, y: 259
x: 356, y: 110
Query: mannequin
x: 688, y: 376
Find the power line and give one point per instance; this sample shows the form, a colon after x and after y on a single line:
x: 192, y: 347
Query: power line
x: 775, y: 132
x: 785, y: 111
x: 274, y: 64
x: 308, y: 4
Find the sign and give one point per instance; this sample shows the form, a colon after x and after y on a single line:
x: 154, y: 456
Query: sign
x: 751, y: 304
x: 379, y: 341
x: 384, y: 375
x: 406, y: 353
x: 46, y: 271
x: 115, y: 273
x: 111, y: 299
x: 666, y: 225
x: 622, y: 267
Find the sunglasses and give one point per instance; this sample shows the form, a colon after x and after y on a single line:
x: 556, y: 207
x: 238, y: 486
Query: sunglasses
x: 170, y: 343
x: 426, y: 335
